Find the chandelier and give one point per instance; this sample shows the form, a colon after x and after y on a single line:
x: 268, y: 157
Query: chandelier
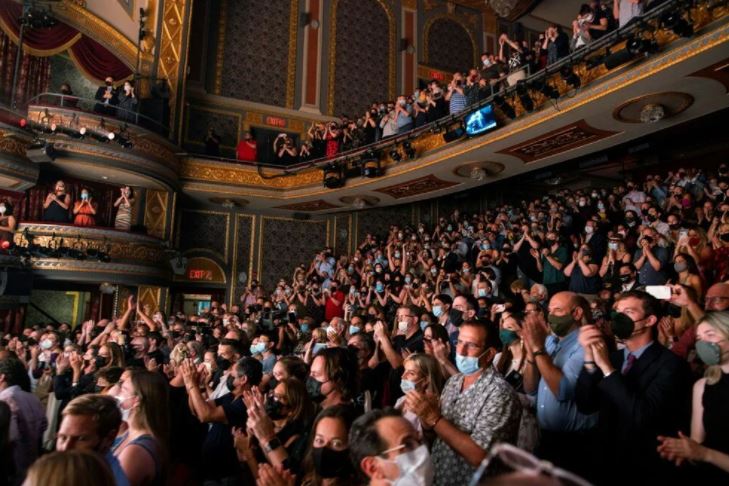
x: 503, y: 8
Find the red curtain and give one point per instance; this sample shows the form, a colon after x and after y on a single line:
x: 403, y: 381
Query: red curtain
x: 90, y: 56
x: 33, y: 77
x: 30, y: 206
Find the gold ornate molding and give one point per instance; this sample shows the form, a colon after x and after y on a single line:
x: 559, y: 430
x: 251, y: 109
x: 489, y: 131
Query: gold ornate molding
x: 172, y: 50
x: 293, y: 47
x: 220, y: 54
x: 392, y: 57
x: 77, y: 16
x: 245, y: 176
x: 449, y: 16
x: 150, y: 296
x: 156, y: 212
x: 234, y: 269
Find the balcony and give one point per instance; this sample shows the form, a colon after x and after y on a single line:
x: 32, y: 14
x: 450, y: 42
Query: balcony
x: 96, y: 142
x: 17, y: 172
x: 66, y: 252
x: 649, y: 76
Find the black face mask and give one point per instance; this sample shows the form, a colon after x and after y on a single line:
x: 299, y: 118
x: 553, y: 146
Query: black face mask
x: 230, y: 383
x: 623, y: 326
x: 329, y: 463
x: 313, y: 388
x: 724, y: 237
x: 275, y: 409
x: 108, y: 83
x: 100, y: 362
x: 652, y: 218
x: 223, y: 363
x: 626, y: 278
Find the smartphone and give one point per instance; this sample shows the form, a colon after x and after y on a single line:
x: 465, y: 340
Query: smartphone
x: 500, y: 308
x: 683, y: 233
x: 662, y: 292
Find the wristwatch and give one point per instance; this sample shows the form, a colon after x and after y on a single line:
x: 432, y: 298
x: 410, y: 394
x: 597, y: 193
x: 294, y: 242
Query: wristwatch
x: 272, y: 445
x: 539, y: 353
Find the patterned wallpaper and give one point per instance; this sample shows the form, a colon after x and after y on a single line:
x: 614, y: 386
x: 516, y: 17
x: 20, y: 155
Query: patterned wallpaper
x: 226, y: 126
x: 342, y: 236
x: 449, y: 46
x: 378, y: 221
x: 256, y: 51
x: 362, y: 62
x: 242, y: 253
x: 63, y: 70
x: 286, y: 244
x: 202, y: 229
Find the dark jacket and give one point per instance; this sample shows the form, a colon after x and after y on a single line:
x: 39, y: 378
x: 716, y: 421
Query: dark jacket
x: 652, y: 399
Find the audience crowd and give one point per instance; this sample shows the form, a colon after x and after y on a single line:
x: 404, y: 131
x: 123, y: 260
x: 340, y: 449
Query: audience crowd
x: 589, y: 328
x: 513, y: 61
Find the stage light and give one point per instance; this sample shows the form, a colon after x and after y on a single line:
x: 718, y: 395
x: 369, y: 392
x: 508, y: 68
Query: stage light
x: 675, y: 21
x: 569, y: 77
x: 333, y: 177
x: 370, y: 164
x: 395, y: 155
x: 409, y: 150
x: 504, y: 106
x: 522, y: 91
x: 454, y: 134
x: 546, y: 89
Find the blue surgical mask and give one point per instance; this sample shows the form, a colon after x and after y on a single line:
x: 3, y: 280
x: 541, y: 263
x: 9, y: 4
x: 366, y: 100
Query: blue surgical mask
x: 437, y: 310
x: 407, y: 385
x: 468, y: 365
x: 318, y: 347
x: 353, y: 330
x: 423, y: 325
x: 304, y: 328
x: 379, y: 287
x: 258, y: 348
x: 482, y: 292
x: 408, y: 280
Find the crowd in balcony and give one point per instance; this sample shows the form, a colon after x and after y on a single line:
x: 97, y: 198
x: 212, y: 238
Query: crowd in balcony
x: 589, y: 328
x: 513, y: 61
x: 57, y: 207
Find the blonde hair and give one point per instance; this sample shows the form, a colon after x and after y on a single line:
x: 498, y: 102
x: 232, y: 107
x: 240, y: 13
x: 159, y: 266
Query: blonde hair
x: 719, y: 320
x: 80, y: 468
x: 430, y: 369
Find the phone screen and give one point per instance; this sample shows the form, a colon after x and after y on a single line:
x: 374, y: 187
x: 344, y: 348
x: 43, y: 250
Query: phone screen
x: 662, y: 292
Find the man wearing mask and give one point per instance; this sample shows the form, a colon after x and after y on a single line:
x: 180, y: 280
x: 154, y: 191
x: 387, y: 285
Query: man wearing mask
x: 640, y: 392
x: 476, y: 409
x: 91, y: 423
x: 107, y: 97
x: 218, y: 455
x: 553, y: 365
x: 627, y: 275
x: 651, y: 259
x: 385, y: 450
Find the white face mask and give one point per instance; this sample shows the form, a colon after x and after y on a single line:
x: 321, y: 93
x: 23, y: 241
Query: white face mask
x: 46, y: 344
x: 416, y: 468
x: 402, y: 326
x: 2, y: 209
x: 124, y: 412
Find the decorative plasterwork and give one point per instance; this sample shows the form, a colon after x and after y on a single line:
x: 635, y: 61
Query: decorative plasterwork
x: 246, y: 176
x: 557, y: 141
x: 718, y: 72
x: 293, y: 44
x: 459, y: 21
x: 172, y: 49
x: 155, y: 212
x: 220, y: 53
x: 416, y: 187
x: 318, y: 205
x: 673, y: 102
x: 392, y: 68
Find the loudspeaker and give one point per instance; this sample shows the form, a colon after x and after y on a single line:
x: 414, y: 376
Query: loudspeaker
x: 179, y: 265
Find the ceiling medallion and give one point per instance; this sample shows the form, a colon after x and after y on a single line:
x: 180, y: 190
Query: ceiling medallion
x: 653, y: 107
x: 503, y: 8
x: 360, y: 202
x: 479, y: 171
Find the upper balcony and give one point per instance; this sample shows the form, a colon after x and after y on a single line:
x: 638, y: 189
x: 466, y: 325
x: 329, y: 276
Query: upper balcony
x: 99, y: 142
x: 668, y: 67
x: 17, y: 172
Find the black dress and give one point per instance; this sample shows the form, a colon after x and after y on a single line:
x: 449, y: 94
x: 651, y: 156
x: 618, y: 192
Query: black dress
x: 716, y: 427
x: 55, y: 213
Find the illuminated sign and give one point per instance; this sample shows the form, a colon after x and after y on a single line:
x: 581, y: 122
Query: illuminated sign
x: 275, y: 121
x: 199, y: 274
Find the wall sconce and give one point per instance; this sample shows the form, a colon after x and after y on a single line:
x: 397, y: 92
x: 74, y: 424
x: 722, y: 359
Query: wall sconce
x: 406, y: 46
x: 307, y: 20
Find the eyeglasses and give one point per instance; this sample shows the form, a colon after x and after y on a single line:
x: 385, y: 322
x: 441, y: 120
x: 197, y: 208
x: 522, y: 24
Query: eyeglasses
x: 522, y: 461
x: 410, y: 445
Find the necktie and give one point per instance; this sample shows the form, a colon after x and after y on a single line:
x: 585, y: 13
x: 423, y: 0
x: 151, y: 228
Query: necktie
x: 629, y: 363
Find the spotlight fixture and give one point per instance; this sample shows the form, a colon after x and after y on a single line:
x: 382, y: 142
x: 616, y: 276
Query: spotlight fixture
x: 638, y: 45
x: 395, y: 155
x: 454, y: 134
x: 569, y: 77
x: 122, y: 139
x: 522, y: 91
x: 409, y: 150
x: 370, y: 164
x: 333, y: 177
x: 675, y: 21
x: 546, y: 89
x: 504, y: 106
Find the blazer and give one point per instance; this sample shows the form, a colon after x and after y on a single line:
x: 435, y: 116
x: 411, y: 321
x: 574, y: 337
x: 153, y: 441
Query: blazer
x: 653, y: 398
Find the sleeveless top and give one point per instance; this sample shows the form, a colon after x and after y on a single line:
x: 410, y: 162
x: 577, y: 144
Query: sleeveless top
x: 716, y: 427
x: 55, y: 213
x: 123, y: 220
x: 149, y: 444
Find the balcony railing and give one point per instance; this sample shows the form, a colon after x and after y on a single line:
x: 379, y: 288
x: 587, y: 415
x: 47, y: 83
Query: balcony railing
x: 668, y: 16
x: 95, y: 107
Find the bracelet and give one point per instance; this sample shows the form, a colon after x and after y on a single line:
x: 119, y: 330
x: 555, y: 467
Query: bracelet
x: 540, y: 352
x: 436, y: 421
x: 589, y: 362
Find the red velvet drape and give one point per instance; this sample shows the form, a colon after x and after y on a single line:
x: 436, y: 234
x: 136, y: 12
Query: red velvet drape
x: 97, y: 61
x: 33, y: 76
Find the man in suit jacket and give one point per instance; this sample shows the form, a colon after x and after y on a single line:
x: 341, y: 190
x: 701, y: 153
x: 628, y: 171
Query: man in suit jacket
x: 640, y: 392
x: 108, y: 97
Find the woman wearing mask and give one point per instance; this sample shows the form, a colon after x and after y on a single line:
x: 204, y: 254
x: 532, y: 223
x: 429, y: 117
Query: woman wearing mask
x: 84, y: 210
x: 123, y: 218
x: 583, y: 273
x: 616, y: 255
x: 437, y: 345
x: 56, y: 204
x: 332, y: 378
x: 277, y: 426
x: 128, y: 103
x: 697, y: 245
x: 510, y: 363
x: 421, y: 373
x: 708, y: 443
x: 720, y: 240
x: 142, y: 397
x: 8, y: 222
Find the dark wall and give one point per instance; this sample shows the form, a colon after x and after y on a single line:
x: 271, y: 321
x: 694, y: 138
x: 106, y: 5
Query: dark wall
x: 449, y: 46
x: 256, y: 51
x: 362, y: 59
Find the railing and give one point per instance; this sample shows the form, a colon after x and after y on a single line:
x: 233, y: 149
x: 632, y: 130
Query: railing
x: 97, y: 108
x: 636, y: 29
